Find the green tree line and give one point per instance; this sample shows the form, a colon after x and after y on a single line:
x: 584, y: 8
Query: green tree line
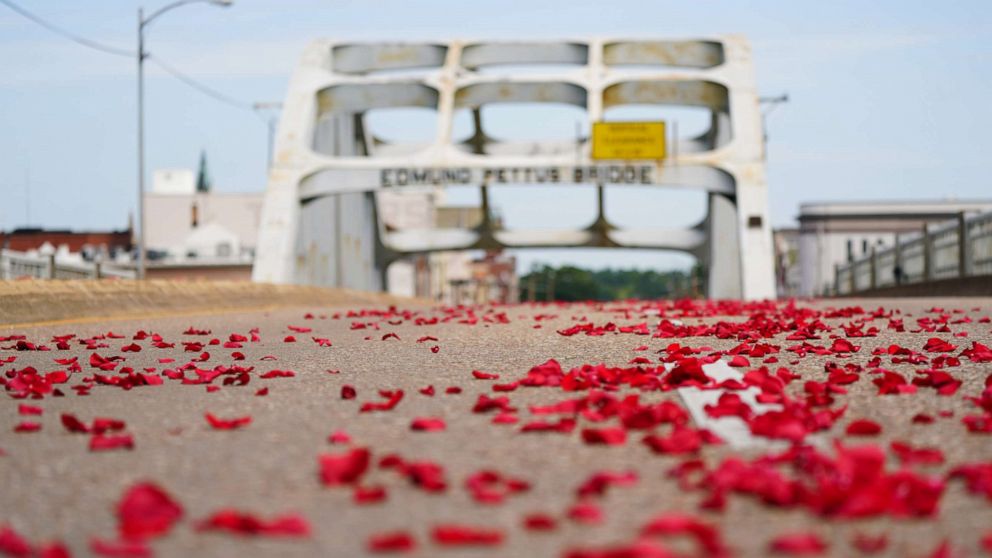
x: 569, y: 283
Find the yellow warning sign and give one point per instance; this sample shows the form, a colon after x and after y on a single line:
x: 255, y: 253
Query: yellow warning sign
x: 628, y: 140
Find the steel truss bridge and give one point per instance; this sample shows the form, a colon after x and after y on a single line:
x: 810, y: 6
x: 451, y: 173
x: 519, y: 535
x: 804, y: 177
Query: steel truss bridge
x: 320, y: 221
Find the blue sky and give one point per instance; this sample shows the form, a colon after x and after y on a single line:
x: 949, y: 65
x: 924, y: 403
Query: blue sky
x: 889, y: 99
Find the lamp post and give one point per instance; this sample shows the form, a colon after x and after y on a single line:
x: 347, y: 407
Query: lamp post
x: 142, y: 23
x: 270, y: 123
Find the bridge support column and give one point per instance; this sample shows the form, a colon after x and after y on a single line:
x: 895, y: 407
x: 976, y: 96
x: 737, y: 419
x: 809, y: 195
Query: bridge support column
x: 964, y: 245
x: 277, y: 235
x: 722, y: 259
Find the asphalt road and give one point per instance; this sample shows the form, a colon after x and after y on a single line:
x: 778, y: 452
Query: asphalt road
x: 54, y: 487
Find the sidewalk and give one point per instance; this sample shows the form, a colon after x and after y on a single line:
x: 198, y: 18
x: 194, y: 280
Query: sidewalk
x: 36, y: 301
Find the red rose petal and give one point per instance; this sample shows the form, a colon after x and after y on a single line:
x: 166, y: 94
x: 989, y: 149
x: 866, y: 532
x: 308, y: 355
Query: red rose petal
x: 465, y: 535
x: 863, y: 427
x: 867, y: 544
x: 909, y: 455
x: 146, y: 510
x: 540, y: 522
x: 986, y: 542
x: 103, y: 442
x: 428, y: 424
x: 125, y: 548
x: 707, y: 536
x: 585, y: 512
x: 346, y: 468
x: 739, y: 362
x: 227, y: 424
x: 13, y: 544
x: 798, y: 544
x: 369, y: 494
x: 23, y: 409
x: 395, y: 541
x: 491, y: 487
x: 393, y: 399
x: 607, y: 436
x: 25, y: 427
x: 243, y: 523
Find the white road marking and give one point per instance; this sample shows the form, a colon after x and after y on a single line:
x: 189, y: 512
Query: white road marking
x: 731, y: 430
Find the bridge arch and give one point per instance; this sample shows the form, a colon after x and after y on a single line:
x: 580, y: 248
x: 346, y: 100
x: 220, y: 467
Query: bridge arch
x: 321, y: 221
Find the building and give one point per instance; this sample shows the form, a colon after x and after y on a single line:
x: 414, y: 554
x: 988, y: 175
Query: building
x: 449, y: 277
x: 788, y: 282
x: 193, y: 232
x: 88, y: 245
x: 837, y: 232
x: 414, y: 209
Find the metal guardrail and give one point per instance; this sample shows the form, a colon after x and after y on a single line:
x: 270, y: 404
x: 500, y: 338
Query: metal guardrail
x: 19, y: 265
x: 958, y: 248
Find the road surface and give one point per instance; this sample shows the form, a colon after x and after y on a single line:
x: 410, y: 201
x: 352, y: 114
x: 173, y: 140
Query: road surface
x: 815, y: 437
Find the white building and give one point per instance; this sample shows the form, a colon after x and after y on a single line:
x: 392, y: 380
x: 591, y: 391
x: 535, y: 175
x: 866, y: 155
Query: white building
x: 402, y: 210
x: 196, y: 233
x: 450, y: 277
x: 836, y: 232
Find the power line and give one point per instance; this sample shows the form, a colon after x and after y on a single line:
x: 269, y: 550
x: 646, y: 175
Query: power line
x: 202, y: 88
x: 67, y: 34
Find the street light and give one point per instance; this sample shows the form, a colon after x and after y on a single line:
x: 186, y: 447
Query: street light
x: 270, y: 123
x: 142, y: 23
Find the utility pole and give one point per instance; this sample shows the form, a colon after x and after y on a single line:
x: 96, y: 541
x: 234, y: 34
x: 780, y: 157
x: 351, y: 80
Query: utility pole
x: 772, y: 103
x: 27, y: 196
x: 272, y: 108
x: 143, y: 22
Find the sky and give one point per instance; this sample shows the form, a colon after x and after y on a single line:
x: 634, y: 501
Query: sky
x: 889, y: 99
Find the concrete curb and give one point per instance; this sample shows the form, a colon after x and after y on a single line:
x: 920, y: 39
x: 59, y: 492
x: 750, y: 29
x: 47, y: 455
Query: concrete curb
x: 33, y: 302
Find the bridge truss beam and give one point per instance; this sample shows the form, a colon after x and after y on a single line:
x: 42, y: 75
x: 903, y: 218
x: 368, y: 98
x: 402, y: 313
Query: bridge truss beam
x: 320, y: 222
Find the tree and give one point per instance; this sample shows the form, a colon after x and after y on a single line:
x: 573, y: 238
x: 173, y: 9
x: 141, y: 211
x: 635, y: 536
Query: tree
x: 202, y: 177
x: 570, y: 283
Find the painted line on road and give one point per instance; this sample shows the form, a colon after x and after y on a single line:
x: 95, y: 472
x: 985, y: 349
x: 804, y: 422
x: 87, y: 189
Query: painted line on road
x: 731, y: 430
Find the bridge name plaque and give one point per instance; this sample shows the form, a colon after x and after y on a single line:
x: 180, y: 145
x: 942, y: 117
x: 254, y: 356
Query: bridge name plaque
x: 599, y: 174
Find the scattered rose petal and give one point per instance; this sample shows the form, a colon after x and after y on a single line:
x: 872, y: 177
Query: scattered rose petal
x: 146, y: 510
x: 104, y: 442
x: 863, y: 427
x: 27, y: 427
x: 346, y: 468
x: 428, y: 424
x: 124, y: 548
x: 394, y: 541
x: 227, y: 424
x: 798, y: 544
x: 23, y: 409
x: 465, y: 535
x: 243, y: 523
x: 539, y: 522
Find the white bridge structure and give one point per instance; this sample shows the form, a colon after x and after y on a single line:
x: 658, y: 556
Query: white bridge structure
x: 320, y: 223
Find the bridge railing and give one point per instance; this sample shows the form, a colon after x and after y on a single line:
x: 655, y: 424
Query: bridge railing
x: 20, y: 265
x: 958, y: 248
